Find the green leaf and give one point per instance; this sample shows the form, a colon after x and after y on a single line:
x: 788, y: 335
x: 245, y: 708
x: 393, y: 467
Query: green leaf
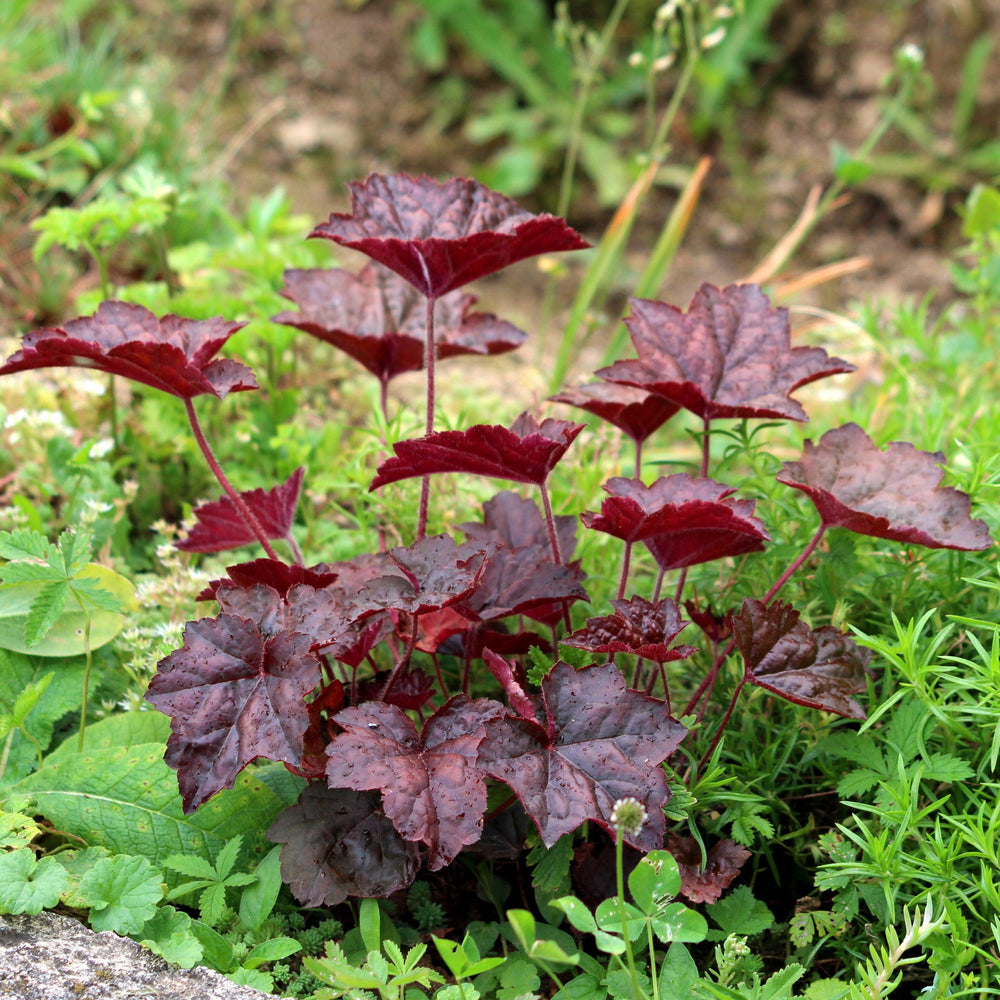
x: 168, y: 933
x: 62, y: 697
x: 272, y: 950
x: 258, y: 899
x: 256, y: 979
x: 946, y: 767
x: 678, y: 973
x: 654, y: 880
x: 217, y: 951
x: 29, y: 885
x: 609, y: 918
x: 982, y: 212
x: 587, y: 987
x: 212, y: 904
x: 678, y: 923
x: 28, y: 698
x: 23, y: 544
x: 856, y: 783
x: 122, y: 892
x: 126, y: 799
x: 551, y: 864
x: 226, y: 858
x: 195, y: 867
x: 370, y: 923
x: 740, y: 913
x: 846, y: 168
x: 66, y: 637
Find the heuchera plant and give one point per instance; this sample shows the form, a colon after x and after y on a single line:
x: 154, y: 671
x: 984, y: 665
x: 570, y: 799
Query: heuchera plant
x: 334, y: 669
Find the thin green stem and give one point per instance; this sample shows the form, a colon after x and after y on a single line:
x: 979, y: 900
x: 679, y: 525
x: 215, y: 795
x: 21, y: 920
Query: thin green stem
x: 238, y: 502
x: 588, y: 74
x: 86, y: 677
x: 638, y: 991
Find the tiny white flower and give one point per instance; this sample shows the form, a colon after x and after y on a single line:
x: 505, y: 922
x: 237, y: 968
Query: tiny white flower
x: 101, y: 448
x: 713, y: 38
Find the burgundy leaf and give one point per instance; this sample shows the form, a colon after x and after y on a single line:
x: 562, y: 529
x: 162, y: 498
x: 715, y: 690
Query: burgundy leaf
x: 432, y: 573
x: 895, y: 494
x: 337, y: 843
x: 682, y: 521
x: 603, y: 743
x: 634, y: 411
x: 526, y: 453
x: 410, y: 690
x: 729, y: 355
x: 174, y: 354
x: 221, y: 526
x: 234, y: 694
x: 431, y: 788
x: 513, y: 685
x: 717, y: 628
x: 638, y: 626
x: 723, y: 864
x: 517, y: 523
x: 272, y: 572
x: 820, y: 668
x: 439, y: 237
x: 379, y: 319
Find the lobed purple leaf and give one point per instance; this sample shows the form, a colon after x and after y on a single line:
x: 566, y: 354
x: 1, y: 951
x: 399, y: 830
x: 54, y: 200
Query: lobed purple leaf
x: 895, y: 494
x: 173, y: 354
x: 233, y: 694
x: 379, y: 319
x: 337, y: 843
x: 603, y: 743
x: 729, y: 355
x: 431, y: 788
x: 220, y: 525
x: 440, y: 236
x: 526, y: 453
x: 683, y: 521
x: 820, y: 668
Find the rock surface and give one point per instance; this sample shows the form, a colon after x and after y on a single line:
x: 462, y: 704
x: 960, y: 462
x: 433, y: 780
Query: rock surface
x: 48, y: 957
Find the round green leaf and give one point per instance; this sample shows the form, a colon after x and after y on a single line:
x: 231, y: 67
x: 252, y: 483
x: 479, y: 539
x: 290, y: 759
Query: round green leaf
x: 66, y: 637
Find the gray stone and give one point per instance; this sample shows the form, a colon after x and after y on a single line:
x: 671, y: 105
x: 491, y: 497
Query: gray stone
x: 49, y: 957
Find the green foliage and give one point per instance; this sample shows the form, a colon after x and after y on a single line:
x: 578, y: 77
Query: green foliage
x: 125, y: 798
x: 29, y: 884
x: 53, y: 600
x: 122, y: 892
x: 212, y: 879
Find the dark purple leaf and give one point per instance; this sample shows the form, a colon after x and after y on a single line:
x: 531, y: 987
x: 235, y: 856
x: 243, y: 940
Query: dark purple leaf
x: 717, y: 628
x: 275, y: 574
x: 410, y: 690
x: 379, y: 319
x: 233, y: 694
x: 432, y: 573
x: 636, y: 412
x: 174, y: 354
x: 439, y: 237
x: 221, y: 526
x: 729, y: 355
x: 431, y: 788
x: 681, y: 520
x: 526, y: 453
x: 820, y: 668
x: 337, y: 843
x: 639, y: 627
x: 517, y: 523
x: 723, y: 864
x: 895, y: 494
x: 510, y: 680
x: 603, y: 743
